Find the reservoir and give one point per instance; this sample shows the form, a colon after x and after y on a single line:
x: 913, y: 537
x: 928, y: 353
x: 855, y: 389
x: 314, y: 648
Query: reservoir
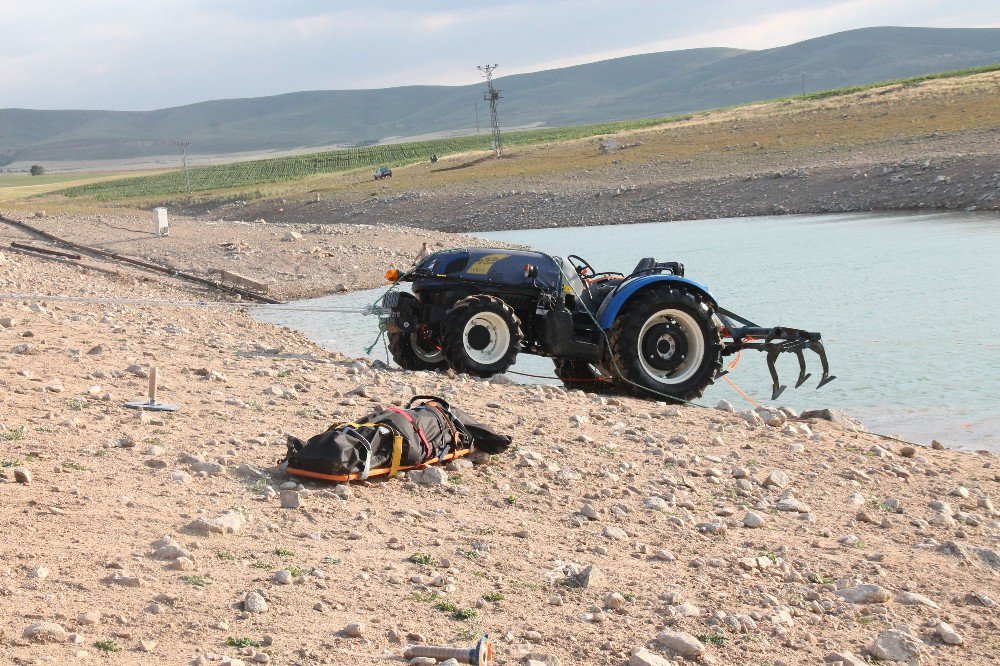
x: 908, y: 305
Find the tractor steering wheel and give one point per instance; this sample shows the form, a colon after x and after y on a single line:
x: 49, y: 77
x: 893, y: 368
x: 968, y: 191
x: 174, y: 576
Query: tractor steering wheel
x: 581, y: 265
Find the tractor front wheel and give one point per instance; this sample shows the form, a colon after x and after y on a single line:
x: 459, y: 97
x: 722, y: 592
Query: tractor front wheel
x: 481, y: 336
x: 415, y: 351
x: 665, y: 343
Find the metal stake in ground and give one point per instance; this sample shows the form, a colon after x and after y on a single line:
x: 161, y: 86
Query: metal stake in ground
x: 151, y: 403
x: 480, y: 654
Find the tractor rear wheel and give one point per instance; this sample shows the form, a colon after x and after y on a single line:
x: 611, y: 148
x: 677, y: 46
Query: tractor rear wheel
x: 413, y: 351
x: 665, y: 343
x: 583, y: 376
x: 481, y: 336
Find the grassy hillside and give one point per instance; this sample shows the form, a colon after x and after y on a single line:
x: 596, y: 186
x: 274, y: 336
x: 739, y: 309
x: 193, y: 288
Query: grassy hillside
x: 643, y: 86
x: 237, y: 177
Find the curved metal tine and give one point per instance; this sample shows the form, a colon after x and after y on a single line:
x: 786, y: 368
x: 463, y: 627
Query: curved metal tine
x: 817, y: 347
x: 803, y: 375
x: 776, y: 387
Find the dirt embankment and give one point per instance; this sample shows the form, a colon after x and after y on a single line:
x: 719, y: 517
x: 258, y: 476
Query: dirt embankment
x: 613, y: 527
x: 933, y: 146
x: 293, y: 260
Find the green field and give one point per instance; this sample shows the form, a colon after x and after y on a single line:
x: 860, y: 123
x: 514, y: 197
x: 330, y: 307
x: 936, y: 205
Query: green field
x: 21, y: 180
x: 275, y: 170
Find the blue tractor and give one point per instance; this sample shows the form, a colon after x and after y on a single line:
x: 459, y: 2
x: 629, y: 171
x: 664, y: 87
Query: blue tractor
x: 652, y: 333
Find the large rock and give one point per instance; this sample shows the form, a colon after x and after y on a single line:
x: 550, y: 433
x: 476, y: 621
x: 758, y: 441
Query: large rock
x: 228, y: 523
x: 429, y: 476
x: 835, y: 416
x: 897, y: 645
x: 914, y: 599
x: 590, y: 577
x: 864, y: 594
x: 844, y: 659
x: 643, y: 657
x: 681, y: 643
x: 45, y: 632
x: 254, y: 602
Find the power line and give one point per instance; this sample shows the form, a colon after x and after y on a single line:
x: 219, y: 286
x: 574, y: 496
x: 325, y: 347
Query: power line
x: 492, y: 95
x: 187, y: 180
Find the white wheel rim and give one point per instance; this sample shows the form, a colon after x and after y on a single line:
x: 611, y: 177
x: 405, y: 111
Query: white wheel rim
x: 499, y: 338
x: 435, y: 356
x: 695, y: 343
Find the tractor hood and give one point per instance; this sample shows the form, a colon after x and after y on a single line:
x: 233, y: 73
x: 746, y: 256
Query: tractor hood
x: 490, y: 265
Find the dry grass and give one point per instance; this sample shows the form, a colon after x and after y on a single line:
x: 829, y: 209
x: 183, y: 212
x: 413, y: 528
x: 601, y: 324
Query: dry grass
x: 715, y: 139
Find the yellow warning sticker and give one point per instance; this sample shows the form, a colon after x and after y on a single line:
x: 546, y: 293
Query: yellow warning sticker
x: 484, y: 264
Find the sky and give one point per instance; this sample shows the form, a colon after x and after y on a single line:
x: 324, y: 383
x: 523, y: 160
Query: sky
x: 148, y: 54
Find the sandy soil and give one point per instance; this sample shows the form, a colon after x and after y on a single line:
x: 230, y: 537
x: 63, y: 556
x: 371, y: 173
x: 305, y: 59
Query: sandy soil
x: 293, y: 260
x: 860, y: 545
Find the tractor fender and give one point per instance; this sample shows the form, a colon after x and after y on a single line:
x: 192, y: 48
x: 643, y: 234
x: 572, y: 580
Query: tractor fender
x: 611, y: 306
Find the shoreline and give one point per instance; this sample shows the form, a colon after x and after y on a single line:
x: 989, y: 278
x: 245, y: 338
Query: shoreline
x: 841, y: 537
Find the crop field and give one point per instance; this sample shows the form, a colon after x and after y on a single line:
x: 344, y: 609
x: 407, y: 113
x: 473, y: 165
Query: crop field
x: 22, y: 180
x: 232, y: 176
x: 274, y: 170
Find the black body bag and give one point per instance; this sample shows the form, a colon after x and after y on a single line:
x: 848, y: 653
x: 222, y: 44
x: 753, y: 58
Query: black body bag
x: 394, y: 439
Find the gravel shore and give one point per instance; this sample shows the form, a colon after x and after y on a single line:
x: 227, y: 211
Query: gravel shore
x: 616, y: 531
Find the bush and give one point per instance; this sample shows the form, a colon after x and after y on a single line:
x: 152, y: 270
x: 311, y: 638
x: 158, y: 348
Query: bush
x: 37, y: 170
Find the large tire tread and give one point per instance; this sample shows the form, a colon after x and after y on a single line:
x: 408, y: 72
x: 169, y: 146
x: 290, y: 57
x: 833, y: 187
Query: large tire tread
x: 401, y: 348
x: 453, y: 327
x: 624, y: 365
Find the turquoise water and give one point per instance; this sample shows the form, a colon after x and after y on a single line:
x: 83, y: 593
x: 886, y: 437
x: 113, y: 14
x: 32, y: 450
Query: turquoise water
x: 909, y: 308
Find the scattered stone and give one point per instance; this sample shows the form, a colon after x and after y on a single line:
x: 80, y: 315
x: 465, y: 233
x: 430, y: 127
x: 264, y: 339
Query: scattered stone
x: 228, y: 523
x: 777, y: 479
x: 89, y: 618
x: 948, y: 635
x: 45, y: 632
x: 864, y: 594
x: 282, y: 577
x: 429, y: 476
x: 752, y: 520
x: 897, y: 645
x: 590, y: 577
x: 614, y: 601
x: 254, y: 602
x: 914, y: 599
x: 22, y: 475
x: 615, y: 533
x: 844, y: 659
x: 681, y: 643
x: 290, y: 499
x: 354, y: 630
x: 643, y: 657
x: 792, y: 504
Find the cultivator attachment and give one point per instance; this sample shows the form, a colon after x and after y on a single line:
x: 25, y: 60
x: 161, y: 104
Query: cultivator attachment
x: 776, y: 341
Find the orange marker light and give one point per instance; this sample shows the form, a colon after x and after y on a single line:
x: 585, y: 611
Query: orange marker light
x: 392, y: 275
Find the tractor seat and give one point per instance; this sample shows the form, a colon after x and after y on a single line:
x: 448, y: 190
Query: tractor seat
x: 644, y: 265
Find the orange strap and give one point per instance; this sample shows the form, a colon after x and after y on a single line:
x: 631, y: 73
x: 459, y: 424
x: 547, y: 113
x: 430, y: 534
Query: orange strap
x: 378, y: 471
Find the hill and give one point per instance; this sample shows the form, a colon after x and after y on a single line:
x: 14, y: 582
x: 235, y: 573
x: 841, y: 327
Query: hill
x: 631, y: 87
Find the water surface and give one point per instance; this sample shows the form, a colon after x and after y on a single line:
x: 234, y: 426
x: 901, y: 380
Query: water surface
x: 909, y: 308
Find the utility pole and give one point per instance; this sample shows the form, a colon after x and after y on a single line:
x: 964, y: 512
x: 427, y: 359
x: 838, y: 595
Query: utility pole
x: 477, y: 118
x: 184, y: 162
x: 491, y: 96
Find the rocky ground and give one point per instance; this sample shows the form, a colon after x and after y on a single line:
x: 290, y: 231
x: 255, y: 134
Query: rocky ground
x: 293, y: 260
x: 615, y: 531
x: 931, y: 146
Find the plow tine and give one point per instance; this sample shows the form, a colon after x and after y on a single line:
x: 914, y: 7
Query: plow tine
x: 776, y: 387
x: 803, y: 375
x: 817, y: 347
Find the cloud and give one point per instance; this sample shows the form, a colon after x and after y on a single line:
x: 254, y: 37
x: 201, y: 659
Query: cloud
x: 124, y: 54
